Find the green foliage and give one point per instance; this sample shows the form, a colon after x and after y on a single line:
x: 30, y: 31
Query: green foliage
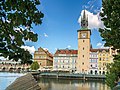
x: 113, y: 72
x: 110, y: 80
x: 111, y: 17
x: 16, y: 20
x: 35, y: 65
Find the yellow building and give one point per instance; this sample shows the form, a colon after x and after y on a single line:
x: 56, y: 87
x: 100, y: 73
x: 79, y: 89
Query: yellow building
x: 83, y: 46
x: 104, y: 58
x: 43, y: 57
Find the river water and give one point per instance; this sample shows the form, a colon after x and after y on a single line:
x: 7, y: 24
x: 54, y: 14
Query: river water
x: 55, y: 84
x: 63, y: 84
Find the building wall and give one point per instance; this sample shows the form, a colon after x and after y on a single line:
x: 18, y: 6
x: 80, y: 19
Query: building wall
x: 83, y: 51
x: 103, y: 60
x: 64, y: 62
x: 93, y: 63
x: 43, y: 58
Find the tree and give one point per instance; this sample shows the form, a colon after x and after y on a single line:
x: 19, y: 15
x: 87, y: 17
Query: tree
x: 35, y: 65
x: 16, y: 20
x: 111, y: 17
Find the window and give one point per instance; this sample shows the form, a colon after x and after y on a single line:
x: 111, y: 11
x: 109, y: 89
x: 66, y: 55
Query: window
x: 91, y: 72
x: 83, y: 48
x: 104, y: 68
x: 95, y: 72
x: 83, y: 63
x: 100, y: 59
x: 83, y: 55
x: 83, y: 40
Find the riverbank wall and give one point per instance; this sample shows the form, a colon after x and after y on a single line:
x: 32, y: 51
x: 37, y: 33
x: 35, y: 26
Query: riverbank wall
x: 38, y: 75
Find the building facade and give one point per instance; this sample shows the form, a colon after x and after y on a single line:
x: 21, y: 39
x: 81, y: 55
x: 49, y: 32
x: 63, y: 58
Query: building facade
x: 43, y: 57
x: 104, y: 58
x: 65, y: 60
x: 93, y: 61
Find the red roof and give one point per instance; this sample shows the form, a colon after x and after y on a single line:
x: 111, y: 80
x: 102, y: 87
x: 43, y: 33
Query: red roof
x: 46, y: 51
x: 100, y: 50
x: 66, y: 51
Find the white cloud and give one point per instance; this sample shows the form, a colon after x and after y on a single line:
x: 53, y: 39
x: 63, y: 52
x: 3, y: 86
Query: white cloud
x: 101, y: 45
x: 46, y: 49
x: 45, y: 35
x: 30, y: 49
x: 56, y: 49
x: 68, y: 46
x: 94, y: 21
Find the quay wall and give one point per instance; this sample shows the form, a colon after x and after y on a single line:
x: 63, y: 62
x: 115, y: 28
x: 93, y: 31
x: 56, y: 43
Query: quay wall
x: 68, y: 76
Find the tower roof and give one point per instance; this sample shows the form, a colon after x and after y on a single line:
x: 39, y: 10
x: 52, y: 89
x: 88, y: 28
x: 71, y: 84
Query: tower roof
x: 84, y: 21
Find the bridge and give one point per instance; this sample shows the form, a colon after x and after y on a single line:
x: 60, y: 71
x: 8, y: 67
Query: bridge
x: 7, y: 65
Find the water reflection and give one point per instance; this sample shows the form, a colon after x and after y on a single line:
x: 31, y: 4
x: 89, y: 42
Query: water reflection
x: 60, y: 84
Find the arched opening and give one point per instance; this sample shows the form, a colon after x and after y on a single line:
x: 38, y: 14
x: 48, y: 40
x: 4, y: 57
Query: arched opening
x: 95, y: 72
x: 23, y: 69
x: 11, y: 69
x: 19, y: 69
x: 100, y: 72
x: 3, y: 69
x: 91, y: 72
x: 103, y: 72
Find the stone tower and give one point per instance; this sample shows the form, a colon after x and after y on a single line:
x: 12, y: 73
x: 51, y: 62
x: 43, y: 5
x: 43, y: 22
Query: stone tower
x: 83, y: 45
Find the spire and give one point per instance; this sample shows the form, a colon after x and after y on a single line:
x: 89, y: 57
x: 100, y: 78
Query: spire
x: 84, y: 21
x: 84, y: 16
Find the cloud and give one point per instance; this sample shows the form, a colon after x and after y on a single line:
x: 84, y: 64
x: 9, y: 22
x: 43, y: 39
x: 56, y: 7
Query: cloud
x: 46, y: 49
x: 101, y: 45
x: 94, y: 21
x: 45, y: 35
x: 30, y: 49
x: 68, y: 46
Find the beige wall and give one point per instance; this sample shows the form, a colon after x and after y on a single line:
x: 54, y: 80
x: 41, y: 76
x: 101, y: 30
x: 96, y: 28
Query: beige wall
x: 43, y: 58
x: 83, y: 51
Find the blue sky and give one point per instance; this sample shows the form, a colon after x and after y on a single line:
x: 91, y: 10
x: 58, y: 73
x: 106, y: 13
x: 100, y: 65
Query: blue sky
x: 60, y: 24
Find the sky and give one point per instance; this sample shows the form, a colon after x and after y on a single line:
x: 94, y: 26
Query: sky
x: 61, y: 22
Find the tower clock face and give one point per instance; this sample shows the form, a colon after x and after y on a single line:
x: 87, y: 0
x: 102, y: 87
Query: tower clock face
x: 83, y: 35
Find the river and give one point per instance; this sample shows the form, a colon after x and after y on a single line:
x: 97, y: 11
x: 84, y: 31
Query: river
x: 63, y: 84
x: 55, y: 84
